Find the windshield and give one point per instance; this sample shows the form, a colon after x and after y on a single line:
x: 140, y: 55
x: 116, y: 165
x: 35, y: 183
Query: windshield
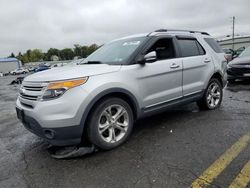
x: 245, y: 53
x: 116, y: 52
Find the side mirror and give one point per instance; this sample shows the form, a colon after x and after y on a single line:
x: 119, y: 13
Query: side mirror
x: 148, y: 58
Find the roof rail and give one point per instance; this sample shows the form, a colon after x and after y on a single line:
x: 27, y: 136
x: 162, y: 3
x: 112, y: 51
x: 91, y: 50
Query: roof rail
x: 166, y: 30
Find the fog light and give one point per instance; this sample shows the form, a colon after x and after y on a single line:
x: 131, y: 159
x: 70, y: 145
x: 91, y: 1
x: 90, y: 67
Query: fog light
x: 49, y: 134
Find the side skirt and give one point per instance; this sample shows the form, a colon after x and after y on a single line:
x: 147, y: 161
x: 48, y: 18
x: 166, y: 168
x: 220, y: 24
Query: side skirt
x: 148, y: 111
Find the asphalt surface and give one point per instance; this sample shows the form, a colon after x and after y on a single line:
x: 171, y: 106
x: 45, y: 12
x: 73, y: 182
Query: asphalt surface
x: 167, y: 150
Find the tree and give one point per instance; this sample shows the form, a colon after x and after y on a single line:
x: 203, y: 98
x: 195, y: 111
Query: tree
x: 31, y: 56
x: 51, y: 52
x: 77, y: 50
x: 92, y: 48
x: 19, y: 56
x: 67, y: 54
x: 84, y: 50
x: 35, y: 55
x: 12, y: 55
x: 64, y: 54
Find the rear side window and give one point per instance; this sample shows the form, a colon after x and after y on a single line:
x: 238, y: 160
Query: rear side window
x: 214, y: 45
x: 190, y: 47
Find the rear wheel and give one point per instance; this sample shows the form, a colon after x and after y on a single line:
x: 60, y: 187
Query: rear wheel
x: 213, y: 95
x: 110, y: 123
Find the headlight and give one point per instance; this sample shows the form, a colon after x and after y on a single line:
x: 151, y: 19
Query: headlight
x: 56, y: 89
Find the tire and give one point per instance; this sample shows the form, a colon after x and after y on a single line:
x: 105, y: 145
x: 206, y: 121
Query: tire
x: 14, y: 73
x: 212, y: 97
x: 105, y: 129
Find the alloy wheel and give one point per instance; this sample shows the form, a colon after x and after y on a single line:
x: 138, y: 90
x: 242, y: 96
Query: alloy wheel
x: 213, y: 95
x: 113, y: 123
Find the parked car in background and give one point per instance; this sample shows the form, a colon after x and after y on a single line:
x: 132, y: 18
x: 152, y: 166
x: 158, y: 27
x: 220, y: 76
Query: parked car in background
x: 75, y: 62
x: 31, y: 69
x: 239, y: 68
x: 238, y: 51
x: 19, y: 71
x: 127, y: 79
x: 41, y: 68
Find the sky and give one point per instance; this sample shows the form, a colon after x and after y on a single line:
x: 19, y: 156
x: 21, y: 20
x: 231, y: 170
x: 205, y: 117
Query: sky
x: 42, y: 24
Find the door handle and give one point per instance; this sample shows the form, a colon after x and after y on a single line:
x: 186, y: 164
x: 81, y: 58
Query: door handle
x: 207, y: 60
x: 174, y: 66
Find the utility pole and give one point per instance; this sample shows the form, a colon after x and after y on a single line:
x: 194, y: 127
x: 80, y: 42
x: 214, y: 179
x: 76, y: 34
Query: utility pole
x: 233, y: 33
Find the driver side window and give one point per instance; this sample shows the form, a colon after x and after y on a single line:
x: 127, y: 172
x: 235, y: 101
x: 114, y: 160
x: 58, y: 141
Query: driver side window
x: 164, y: 49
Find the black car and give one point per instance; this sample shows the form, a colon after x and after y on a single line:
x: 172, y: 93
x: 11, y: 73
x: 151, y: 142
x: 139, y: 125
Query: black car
x: 239, y: 68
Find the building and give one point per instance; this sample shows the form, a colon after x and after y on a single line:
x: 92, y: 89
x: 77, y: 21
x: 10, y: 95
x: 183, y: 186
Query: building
x: 9, y: 64
x: 239, y: 42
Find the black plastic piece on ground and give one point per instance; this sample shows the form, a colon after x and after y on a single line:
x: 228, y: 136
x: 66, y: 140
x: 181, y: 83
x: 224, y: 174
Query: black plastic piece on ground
x: 70, y: 151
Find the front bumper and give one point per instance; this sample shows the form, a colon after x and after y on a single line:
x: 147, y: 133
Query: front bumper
x: 62, y: 136
x: 59, y: 121
x: 238, y: 73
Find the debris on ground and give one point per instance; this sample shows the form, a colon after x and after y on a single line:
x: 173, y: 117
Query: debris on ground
x: 69, y: 152
x: 18, y: 80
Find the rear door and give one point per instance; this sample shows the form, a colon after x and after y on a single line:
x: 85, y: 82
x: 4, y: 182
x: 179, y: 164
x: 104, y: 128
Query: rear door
x: 197, y: 65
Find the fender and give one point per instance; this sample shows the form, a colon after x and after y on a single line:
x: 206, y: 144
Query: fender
x: 103, y: 94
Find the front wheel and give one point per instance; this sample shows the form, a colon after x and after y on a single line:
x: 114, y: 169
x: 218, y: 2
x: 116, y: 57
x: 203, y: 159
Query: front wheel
x: 110, y: 123
x: 213, y: 95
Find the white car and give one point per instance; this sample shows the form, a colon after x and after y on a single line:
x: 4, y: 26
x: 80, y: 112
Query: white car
x: 19, y: 71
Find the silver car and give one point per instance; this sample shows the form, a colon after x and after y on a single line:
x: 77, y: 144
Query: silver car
x: 126, y: 79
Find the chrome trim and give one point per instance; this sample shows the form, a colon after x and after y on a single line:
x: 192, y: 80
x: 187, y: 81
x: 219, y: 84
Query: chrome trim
x: 159, y: 103
x: 152, y: 105
x: 192, y: 93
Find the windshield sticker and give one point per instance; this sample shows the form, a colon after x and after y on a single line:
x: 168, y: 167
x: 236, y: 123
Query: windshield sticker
x: 131, y: 43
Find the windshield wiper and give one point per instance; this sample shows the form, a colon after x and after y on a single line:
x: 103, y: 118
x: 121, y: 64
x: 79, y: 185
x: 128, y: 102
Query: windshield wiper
x: 94, y: 62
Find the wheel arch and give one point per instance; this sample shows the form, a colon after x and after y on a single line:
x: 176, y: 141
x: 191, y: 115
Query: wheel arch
x: 218, y: 76
x: 114, y: 92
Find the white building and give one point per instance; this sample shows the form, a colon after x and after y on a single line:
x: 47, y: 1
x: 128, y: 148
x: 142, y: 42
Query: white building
x: 9, y: 64
x: 239, y: 42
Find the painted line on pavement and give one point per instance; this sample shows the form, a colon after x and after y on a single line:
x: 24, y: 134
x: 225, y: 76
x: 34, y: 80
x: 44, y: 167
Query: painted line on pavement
x: 243, y: 178
x: 221, y: 163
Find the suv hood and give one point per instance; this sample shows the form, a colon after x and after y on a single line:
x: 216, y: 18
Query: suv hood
x: 71, y: 72
x: 240, y: 61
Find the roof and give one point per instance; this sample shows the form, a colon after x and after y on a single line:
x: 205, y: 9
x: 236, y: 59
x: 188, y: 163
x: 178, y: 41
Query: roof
x: 3, y: 60
x: 162, y: 32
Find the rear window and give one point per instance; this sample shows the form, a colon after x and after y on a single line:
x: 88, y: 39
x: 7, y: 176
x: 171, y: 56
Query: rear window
x: 190, y: 47
x: 214, y: 45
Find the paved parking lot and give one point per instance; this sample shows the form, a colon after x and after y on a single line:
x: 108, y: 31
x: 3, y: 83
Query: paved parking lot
x: 178, y: 148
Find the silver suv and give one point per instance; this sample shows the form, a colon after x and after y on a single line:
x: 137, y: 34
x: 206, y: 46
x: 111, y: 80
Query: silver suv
x: 126, y: 79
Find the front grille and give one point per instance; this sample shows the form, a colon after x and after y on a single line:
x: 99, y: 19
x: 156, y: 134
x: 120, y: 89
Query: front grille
x: 33, y: 88
x: 31, y: 92
x: 28, y: 97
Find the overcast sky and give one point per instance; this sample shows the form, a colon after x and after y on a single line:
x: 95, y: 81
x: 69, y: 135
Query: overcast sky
x: 29, y: 24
